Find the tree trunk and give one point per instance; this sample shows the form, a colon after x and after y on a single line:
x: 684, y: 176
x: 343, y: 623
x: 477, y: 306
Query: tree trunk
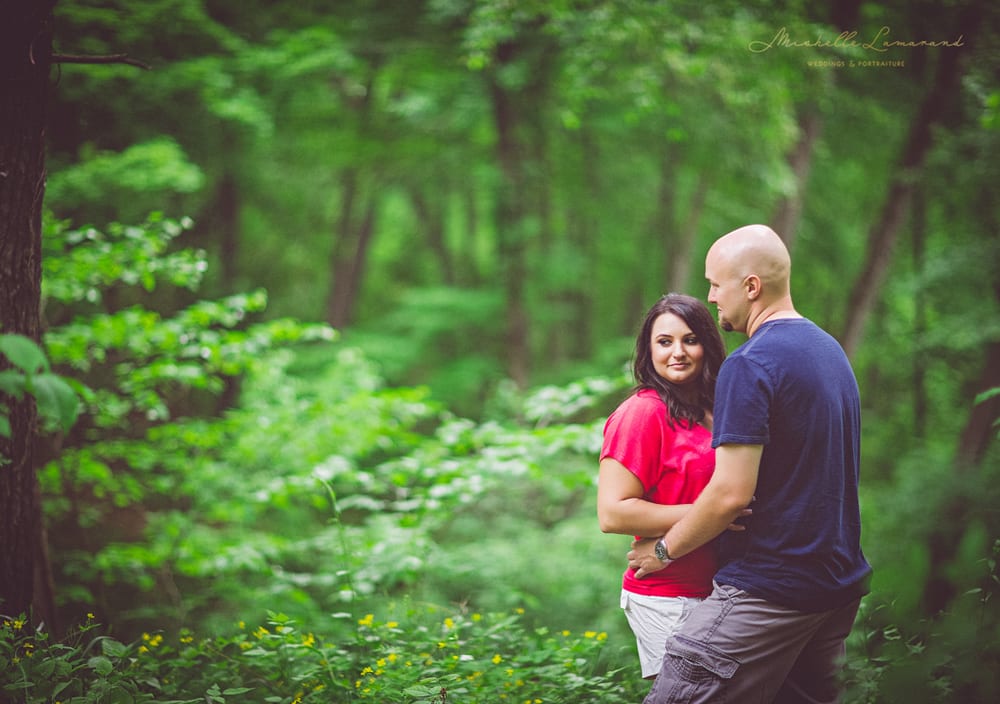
x: 350, y: 253
x: 228, y: 202
x: 785, y: 221
x: 512, y: 222
x: 430, y: 213
x: 920, y: 404
x: 882, y: 237
x: 661, y: 230
x: 351, y: 237
x: 679, y: 275
x: 789, y: 211
x: 25, y: 56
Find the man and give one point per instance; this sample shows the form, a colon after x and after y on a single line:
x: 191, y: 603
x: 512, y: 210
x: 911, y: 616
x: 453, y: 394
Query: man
x: 787, y: 437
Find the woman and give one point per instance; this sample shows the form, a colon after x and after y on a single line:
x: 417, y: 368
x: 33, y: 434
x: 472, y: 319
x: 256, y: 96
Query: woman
x: 657, y: 457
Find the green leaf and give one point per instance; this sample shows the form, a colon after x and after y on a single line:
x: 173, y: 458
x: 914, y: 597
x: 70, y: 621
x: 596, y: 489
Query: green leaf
x: 986, y: 395
x: 57, y: 402
x: 420, y: 691
x: 101, y: 665
x: 12, y: 383
x: 113, y: 648
x: 23, y: 353
x: 232, y: 691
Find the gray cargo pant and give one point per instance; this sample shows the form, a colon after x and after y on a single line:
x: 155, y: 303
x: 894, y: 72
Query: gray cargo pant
x: 738, y: 649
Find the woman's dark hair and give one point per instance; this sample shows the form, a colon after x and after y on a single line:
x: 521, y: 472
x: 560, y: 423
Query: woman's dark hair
x: 696, y: 315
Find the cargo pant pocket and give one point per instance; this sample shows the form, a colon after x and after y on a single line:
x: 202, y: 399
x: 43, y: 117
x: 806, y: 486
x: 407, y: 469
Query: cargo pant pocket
x: 692, y: 672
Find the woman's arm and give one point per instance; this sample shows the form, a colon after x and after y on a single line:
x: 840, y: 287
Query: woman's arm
x: 621, y: 508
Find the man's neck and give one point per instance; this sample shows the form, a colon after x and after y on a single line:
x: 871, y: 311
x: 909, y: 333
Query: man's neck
x: 777, y: 311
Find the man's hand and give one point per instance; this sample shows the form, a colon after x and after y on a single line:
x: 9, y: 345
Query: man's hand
x: 642, y: 560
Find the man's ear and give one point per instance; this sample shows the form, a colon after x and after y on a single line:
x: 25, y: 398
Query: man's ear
x: 753, y: 287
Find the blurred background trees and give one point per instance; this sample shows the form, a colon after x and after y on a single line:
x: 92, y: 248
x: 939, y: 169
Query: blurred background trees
x: 396, y: 258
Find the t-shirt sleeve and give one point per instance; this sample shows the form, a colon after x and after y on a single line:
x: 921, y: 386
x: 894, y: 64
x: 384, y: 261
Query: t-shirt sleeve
x: 742, y: 404
x: 634, y: 436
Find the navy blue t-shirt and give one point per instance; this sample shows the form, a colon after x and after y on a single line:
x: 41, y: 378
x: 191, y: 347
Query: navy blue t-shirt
x: 791, y: 389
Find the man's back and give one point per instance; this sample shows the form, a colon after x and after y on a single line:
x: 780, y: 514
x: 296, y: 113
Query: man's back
x: 791, y: 389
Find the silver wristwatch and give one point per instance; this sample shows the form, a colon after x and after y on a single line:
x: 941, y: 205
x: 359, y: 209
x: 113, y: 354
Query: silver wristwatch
x: 661, y: 552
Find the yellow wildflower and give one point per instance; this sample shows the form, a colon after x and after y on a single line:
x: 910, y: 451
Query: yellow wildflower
x: 590, y: 634
x: 497, y: 659
x: 367, y: 620
x: 392, y: 624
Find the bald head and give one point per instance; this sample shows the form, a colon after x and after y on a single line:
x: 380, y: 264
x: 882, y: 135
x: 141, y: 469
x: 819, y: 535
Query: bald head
x: 748, y: 272
x: 756, y: 250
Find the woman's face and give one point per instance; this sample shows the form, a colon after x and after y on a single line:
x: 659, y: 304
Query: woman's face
x: 676, y: 352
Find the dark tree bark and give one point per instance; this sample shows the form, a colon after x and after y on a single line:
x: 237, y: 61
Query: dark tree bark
x: 350, y: 251
x: 353, y: 235
x: 679, y: 273
x: 789, y: 211
x: 430, y: 213
x: 883, y: 235
x: 25, y: 59
x: 920, y: 404
x: 661, y: 232
x: 785, y: 221
x: 511, y: 219
x: 228, y: 200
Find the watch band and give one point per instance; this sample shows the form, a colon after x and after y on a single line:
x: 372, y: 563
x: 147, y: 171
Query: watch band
x: 662, y: 553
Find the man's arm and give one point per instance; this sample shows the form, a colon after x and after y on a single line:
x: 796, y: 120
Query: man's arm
x: 723, y: 500
x: 621, y: 508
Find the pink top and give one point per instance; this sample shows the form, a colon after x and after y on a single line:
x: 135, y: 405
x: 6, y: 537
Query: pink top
x: 673, y: 465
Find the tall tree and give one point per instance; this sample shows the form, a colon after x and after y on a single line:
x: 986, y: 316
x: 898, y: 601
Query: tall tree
x: 885, y: 231
x: 25, y: 58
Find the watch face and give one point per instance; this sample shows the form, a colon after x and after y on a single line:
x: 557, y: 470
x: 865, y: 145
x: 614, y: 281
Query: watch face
x: 661, y: 550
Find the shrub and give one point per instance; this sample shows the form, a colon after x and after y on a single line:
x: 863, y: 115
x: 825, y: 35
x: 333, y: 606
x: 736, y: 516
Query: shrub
x: 429, y: 654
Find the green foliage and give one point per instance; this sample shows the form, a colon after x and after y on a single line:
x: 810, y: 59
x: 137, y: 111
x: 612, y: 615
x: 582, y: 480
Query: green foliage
x: 211, y: 478
x: 141, y: 178
x: 422, y: 654
x: 955, y: 657
x: 28, y: 372
x: 133, y: 360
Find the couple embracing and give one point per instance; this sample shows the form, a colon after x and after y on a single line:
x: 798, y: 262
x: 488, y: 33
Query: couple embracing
x: 738, y: 476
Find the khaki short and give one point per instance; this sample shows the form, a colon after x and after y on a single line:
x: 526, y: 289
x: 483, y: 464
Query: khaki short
x: 653, y: 619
